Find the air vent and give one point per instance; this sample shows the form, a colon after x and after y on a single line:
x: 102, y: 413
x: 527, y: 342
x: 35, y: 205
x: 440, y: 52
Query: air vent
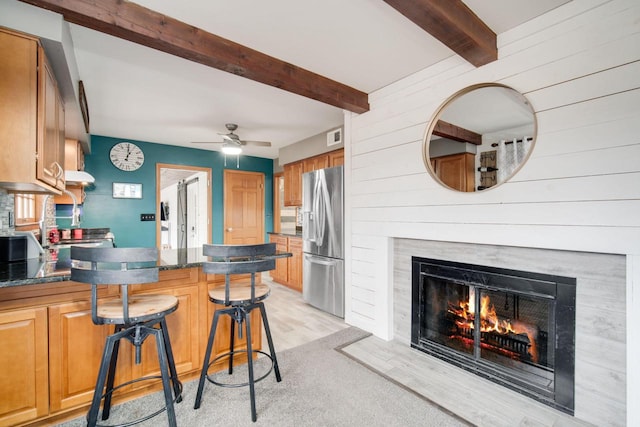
x: 334, y: 137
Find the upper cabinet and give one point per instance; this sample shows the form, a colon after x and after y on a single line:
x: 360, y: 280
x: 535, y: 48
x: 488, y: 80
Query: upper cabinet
x: 293, y: 173
x: 74, y: 161
x: 31, y: 118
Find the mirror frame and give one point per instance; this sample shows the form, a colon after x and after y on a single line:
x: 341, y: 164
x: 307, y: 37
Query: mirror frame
x: 436, y: 117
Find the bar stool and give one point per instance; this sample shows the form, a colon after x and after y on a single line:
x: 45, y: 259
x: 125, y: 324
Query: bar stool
x: 240, y: 299
x: 135, y: 318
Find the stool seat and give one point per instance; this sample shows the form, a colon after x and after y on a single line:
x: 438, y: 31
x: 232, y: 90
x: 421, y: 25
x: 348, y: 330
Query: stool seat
x: 141, y: 308
x: 239, y: 293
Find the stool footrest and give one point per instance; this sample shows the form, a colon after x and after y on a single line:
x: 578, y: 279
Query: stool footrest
x: 236, y: 385
x: 177, y: 399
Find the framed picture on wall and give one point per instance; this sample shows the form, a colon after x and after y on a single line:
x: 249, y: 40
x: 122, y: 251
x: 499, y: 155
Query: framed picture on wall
x: 125, y: 190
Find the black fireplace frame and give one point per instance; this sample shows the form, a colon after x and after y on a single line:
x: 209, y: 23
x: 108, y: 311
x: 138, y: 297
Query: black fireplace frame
x: 561, y: 290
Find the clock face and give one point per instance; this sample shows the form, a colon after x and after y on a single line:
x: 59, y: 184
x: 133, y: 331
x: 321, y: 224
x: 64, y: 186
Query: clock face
x: 126, y: 156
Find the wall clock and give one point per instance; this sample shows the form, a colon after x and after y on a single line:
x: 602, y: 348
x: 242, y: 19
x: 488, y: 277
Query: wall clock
x: 126, y: 156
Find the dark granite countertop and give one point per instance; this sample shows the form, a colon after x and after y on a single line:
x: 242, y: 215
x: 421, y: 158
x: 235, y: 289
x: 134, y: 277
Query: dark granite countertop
x: 296, y: 234
x: 38, y: 270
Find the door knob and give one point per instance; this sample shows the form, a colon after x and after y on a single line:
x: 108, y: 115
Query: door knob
x: 229, y: 229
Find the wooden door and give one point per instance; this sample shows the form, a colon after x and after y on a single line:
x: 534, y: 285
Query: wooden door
x: 243, y: 207
x: 24, y: 361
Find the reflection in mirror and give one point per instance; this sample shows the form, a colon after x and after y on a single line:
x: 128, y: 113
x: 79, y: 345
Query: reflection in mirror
x: 184, y: 209
x: 480, y: 137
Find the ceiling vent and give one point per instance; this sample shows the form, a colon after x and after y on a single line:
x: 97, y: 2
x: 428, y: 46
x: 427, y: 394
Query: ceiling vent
x: 334, y: 137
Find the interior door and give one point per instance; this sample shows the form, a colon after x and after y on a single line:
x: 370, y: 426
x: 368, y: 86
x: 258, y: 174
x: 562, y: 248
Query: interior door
x: 243, y: 207
x: 192, y: 214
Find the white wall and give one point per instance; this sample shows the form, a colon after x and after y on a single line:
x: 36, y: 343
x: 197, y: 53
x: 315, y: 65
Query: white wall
x: 579, y: 66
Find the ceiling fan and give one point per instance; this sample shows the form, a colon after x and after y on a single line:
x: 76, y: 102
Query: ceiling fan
x: 231, y: 142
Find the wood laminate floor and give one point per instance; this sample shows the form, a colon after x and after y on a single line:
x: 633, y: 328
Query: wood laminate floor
x: 293, y: 322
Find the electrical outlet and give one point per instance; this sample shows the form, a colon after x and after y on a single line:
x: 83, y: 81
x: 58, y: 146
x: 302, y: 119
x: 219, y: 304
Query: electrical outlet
x: 148, y: 217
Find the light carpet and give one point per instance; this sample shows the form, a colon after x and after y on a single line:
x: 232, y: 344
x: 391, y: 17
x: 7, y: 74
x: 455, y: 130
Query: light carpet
x: 320, y: 387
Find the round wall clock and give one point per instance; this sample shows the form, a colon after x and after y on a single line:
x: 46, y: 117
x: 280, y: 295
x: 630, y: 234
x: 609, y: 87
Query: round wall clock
x: 126, y: 156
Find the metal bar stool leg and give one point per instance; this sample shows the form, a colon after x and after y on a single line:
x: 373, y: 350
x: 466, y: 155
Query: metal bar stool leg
x: 106, y: 407
x: 272, y: 350
x: 207, y: 356
x: 232, y: 342
x: 164, y: 373
x: 92, y: 417
x: 252, y: 391
x: 177, y: 385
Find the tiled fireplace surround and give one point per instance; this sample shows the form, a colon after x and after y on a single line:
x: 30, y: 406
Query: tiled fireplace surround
x: 600, y: 357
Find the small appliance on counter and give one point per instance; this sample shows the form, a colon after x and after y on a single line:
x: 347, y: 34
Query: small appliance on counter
x: 13, y: 248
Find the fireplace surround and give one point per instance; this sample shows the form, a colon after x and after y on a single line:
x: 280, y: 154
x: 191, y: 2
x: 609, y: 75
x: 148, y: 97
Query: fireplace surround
x: 515, y: 328
x: 600, y: 396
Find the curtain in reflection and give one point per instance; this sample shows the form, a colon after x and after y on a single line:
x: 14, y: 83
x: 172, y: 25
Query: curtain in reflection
x: 510, y: 155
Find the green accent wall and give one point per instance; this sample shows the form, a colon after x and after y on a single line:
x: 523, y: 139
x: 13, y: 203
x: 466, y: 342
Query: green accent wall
x: 122, y: 216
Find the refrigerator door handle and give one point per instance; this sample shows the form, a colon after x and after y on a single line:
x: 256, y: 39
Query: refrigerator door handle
x: 321, y: 261
x: 307, y: 228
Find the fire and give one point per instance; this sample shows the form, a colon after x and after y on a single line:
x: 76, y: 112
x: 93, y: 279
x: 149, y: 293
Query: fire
x: 490, y: 322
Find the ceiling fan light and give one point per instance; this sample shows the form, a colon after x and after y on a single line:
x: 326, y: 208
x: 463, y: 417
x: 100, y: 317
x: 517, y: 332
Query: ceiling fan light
x: 231, y: 149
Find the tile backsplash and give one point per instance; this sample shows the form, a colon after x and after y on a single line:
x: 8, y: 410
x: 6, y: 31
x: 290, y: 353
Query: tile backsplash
x: 6, y: 208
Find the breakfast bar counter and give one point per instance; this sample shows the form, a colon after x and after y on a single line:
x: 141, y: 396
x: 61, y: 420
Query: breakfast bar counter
x: 46, y: 321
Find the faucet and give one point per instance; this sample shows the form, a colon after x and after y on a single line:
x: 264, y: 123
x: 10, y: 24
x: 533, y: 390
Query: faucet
x: 75, y: 216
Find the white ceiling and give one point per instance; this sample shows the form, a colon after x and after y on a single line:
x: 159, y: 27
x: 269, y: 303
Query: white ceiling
x: 135, y: 92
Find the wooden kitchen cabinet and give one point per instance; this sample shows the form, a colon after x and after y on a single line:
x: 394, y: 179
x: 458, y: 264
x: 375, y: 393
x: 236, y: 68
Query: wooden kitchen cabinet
x: 280, y: 274
x: 295, y: 263
x: 73, y: 160
x: 32, y: 123
x: 24, y: 360
x: 293, y: 184
x: 336, y: 158
x: 456, y: 170
x: 314, y: 163
x: 288, y: 271
x: 75, y: 351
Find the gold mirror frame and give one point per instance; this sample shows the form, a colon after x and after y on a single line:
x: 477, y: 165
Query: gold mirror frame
x: 512, y: 113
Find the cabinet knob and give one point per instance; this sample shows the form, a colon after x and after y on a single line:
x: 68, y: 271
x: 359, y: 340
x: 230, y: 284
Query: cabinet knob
x: 229, y: 229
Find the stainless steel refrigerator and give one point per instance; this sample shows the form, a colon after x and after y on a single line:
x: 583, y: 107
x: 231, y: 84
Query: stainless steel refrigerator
x: 323, y: 239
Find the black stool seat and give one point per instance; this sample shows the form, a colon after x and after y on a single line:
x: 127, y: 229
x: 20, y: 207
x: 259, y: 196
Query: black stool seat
x: 240, y: 299
x: 135, y: 318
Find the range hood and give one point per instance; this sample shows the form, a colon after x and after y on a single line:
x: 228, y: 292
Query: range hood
x: 78, y: 177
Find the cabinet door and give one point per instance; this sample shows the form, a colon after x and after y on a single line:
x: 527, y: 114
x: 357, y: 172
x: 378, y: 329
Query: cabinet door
x: 280, y: 274
x: 293, y: 184
x: 295, y: 263
x: 24, y: 361
x: 183, y: 334
x: 75, y: 350
x: 315, y: 163
x: 336, y: 158
x: 456, y: 171
x: 49, y: 165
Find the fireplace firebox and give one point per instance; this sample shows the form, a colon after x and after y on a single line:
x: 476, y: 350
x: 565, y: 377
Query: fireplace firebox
x: 512, y: 327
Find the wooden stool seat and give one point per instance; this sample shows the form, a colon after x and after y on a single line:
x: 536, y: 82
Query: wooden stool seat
x: 141, y: 308
x: 239, y: 293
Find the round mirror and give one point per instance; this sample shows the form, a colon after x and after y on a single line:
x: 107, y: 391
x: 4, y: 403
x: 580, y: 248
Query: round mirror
x: 480, y: 137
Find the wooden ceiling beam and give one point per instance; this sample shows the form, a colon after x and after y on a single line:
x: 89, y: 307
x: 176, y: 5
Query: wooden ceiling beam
x: 140, y: 25
x: 455, y: 25
x: 456, y: 133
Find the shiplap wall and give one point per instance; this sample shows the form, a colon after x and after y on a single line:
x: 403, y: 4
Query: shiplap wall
x: 579, y: 66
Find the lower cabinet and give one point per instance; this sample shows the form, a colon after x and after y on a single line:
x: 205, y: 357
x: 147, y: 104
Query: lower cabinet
x: 25, y: 375
x: 56, y: 349
x: 288, y: 271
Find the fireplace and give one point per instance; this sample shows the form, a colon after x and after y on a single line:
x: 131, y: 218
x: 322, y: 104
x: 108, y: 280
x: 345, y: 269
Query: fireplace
x: 514, y: 328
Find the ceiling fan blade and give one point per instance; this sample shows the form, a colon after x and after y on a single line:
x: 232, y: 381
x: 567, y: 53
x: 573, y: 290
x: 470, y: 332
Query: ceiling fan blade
x: 257, y: 143
x: 207, y: 142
